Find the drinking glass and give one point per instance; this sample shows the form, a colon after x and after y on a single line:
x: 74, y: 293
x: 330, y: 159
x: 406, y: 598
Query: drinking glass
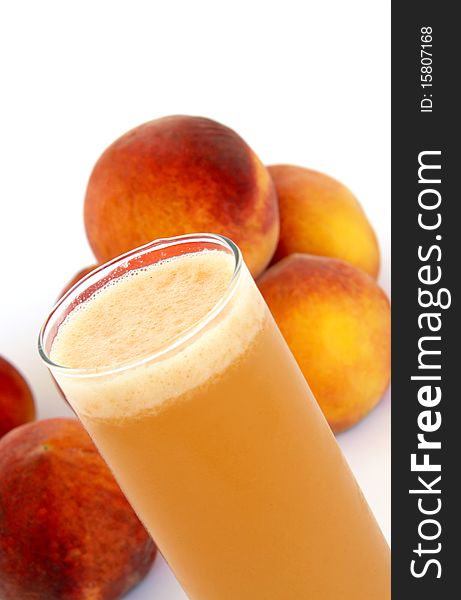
x: 220, y: 447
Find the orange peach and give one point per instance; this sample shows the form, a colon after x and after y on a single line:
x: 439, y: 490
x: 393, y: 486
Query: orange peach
x: 16, y: 401
x: 66, y: 530
x: 321, y: 216
x: 336, y: 320
x: 179, y: 175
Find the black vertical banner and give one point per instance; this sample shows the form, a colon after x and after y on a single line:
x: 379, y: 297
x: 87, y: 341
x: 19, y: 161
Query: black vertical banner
x: 426, y: 268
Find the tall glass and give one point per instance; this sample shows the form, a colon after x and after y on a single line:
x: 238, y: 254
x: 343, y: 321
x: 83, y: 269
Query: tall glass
x: 230, y: 464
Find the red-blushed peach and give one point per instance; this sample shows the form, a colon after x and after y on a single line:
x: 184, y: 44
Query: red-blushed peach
x: 75, y: 279
x: 179, y: 175
x: 16, y: 400
x: 321, y: 216
x: 336, y: 321
x: 66, y: 530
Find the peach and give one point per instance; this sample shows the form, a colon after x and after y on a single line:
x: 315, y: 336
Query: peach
x: 16, y: 401
x: 76, y: 278
x: 336, y: 320
x: 321, y: 216
x: 179, y: 175
x: 66, y: 530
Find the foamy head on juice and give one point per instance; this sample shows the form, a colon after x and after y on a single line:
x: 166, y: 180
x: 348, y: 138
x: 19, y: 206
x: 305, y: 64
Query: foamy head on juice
x: 154, y: 333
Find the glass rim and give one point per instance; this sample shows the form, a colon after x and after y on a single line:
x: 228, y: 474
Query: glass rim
x: 97, y: 274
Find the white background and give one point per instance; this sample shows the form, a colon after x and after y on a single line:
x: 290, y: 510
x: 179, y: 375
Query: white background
x: 303, y: 82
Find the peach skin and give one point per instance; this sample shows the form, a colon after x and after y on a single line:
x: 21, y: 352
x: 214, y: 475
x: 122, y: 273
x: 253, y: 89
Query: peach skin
x: 336, y: 320
x: 16, y: 401
x: 66, y: 530
x: 179, y: 175
x: 321, y: 216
